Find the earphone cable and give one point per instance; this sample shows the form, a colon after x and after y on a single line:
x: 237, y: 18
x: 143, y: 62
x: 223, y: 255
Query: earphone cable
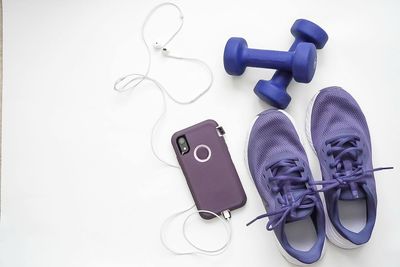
x: 124, y: 83
x: 197, y: 250
x: 130, y: 82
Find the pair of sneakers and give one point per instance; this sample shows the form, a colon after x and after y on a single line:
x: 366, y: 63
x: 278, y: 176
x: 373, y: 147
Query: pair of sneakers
x: 301, y: 218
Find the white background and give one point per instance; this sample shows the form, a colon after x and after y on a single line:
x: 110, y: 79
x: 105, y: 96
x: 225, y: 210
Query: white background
x: 80, y: 186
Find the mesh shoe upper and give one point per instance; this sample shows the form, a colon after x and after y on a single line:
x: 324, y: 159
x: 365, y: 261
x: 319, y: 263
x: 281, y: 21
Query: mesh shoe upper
x: 279, y: 167
x: 341, y: 139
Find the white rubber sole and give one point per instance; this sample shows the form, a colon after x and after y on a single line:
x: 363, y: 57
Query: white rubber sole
x: 286, y: 255
x: 333, y: 236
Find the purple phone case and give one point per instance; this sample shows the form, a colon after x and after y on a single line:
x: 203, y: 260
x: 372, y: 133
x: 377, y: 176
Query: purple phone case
x: 209, y: 170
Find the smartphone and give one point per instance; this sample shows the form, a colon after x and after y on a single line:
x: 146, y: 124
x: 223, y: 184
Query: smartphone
x: 208, y: 168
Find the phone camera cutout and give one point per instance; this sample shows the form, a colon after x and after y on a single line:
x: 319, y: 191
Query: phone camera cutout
x: 183, y: 145
x: 202, y: 153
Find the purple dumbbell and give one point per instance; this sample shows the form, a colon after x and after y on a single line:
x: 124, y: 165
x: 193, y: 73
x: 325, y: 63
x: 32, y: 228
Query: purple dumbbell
x: 274, y: 90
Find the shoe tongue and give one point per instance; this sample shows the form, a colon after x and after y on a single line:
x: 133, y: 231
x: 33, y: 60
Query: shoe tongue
x: 295, y: 191
x: 299, y: 213
x: 353, y: 191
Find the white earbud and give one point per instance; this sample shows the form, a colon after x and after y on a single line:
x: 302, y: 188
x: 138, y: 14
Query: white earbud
x: 157, y: 45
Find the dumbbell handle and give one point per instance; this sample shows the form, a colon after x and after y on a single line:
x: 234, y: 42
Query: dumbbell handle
x: 283, y: 78
x: 268, y: 59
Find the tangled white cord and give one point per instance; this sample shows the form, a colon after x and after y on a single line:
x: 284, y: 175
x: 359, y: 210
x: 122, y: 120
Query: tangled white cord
x: 130, y: 82
x: 197, y: 249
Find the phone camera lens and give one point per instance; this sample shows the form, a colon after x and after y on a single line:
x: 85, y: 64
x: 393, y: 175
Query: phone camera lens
x: 183, y: 145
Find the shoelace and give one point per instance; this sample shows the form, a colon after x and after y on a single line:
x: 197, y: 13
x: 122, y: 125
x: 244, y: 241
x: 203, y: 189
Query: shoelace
x: 348, y: 164
x: 288, y: 176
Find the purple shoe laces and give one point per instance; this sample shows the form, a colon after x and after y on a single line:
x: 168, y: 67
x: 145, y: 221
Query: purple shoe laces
x: 287, y: 177
x: 347, y: 163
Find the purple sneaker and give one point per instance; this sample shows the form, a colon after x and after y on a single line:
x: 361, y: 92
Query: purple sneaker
x: 337, y: 130
x: 279, y: 167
